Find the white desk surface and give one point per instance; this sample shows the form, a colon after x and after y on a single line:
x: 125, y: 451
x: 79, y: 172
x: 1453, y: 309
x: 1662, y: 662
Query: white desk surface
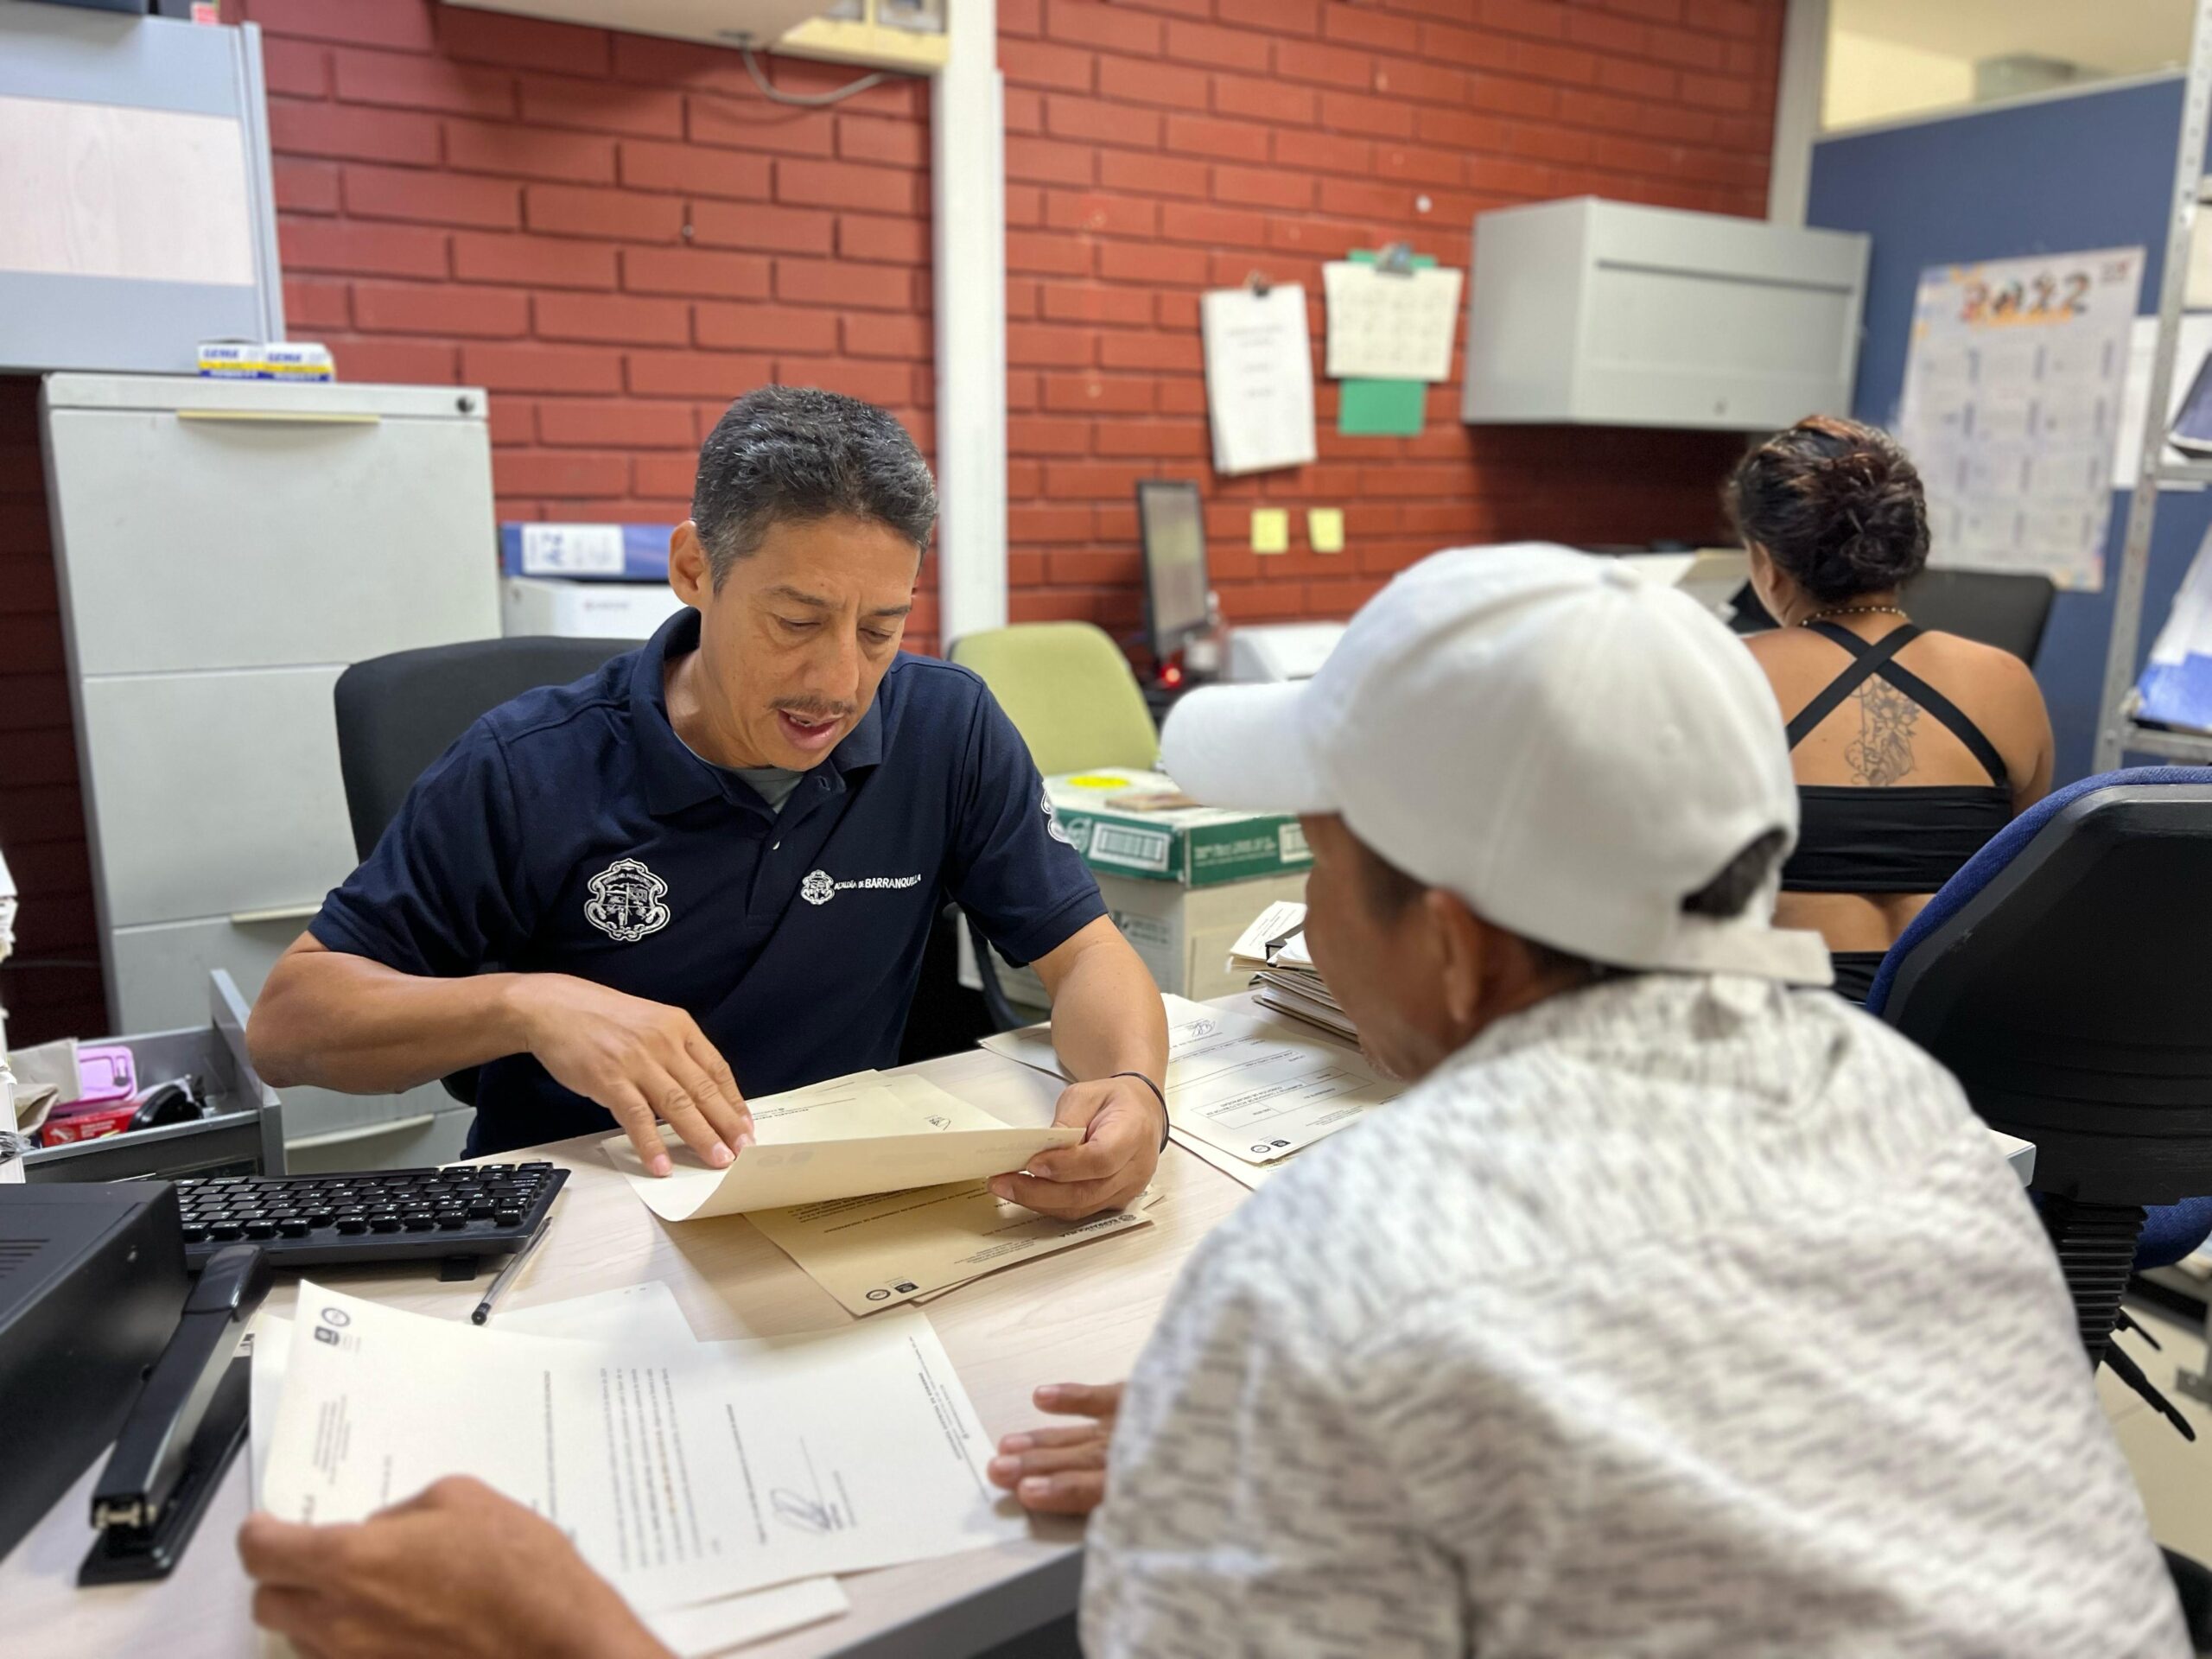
x: 1079, y: 1316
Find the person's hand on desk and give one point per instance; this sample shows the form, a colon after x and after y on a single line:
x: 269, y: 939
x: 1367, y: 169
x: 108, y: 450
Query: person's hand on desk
x: 458, y: 1572
x: 1061, y: 1471
x: 1122, y: 1122
x: 646, y: 1062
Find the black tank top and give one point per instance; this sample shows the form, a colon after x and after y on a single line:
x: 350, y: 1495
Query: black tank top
x: 1881, y: 840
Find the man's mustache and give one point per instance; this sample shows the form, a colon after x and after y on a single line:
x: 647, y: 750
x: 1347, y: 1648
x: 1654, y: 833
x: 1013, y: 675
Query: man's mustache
x: 807, y: 708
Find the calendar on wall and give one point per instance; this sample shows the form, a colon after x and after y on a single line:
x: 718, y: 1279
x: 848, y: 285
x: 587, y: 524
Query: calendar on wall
x: 2012, y: 401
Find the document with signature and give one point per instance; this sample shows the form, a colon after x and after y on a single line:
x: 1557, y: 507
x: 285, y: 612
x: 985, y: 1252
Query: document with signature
x: 683, y: 1472
x: 633, y: 1314
x: 851, y: 1138
x: 1239, y: 1085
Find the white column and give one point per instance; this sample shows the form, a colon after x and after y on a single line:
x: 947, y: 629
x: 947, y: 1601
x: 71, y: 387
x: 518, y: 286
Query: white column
x: 967, y: 185
x: 1798, y: 110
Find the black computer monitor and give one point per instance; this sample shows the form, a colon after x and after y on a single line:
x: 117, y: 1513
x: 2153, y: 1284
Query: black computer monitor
x: 1173, y: 522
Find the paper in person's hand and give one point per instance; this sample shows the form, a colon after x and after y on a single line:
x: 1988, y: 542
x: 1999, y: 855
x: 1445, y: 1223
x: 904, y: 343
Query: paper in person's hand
x: 683, y: 1471
x: 849, y: 1139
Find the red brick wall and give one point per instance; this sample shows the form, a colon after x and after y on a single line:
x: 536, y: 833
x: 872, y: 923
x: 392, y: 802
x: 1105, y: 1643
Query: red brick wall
x: 53, y: 986
x: 617, y: 234
x: 1157, y: 148
x: 613, y: 233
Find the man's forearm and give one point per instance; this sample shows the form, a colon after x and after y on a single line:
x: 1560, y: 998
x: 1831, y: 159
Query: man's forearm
x: 340, y: 1022
x: 1107, y: 1015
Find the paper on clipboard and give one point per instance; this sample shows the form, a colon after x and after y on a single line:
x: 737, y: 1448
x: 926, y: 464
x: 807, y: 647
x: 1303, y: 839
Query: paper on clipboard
x: 1390, y: 325
x: 1259, y: 378
x: 849, y: 1139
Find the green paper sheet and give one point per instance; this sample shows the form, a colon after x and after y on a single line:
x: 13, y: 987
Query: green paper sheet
x: 1381, y: 409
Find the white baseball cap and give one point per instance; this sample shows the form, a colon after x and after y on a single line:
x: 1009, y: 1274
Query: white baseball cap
x: 1572, y: 749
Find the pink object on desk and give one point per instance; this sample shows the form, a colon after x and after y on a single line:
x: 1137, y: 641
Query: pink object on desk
x: 105, y: 1075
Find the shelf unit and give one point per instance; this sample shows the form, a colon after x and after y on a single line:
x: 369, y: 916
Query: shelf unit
x: 2119, y: 730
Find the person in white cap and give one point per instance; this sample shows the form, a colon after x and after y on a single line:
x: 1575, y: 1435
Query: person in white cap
x: 1674, y: 1312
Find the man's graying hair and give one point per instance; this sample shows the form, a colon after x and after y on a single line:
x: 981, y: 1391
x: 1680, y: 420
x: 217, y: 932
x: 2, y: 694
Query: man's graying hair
x: 797, y: 454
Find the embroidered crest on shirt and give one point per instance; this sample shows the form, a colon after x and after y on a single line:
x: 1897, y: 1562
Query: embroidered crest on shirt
x: 626, y: 902
x: 819, y: 886
x: 1052, y: 826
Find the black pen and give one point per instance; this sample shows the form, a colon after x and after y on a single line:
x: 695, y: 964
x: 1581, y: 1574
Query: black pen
x: 514, y: 1266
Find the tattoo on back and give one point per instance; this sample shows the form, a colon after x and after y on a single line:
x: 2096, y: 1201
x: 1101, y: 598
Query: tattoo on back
x: 1882, y: 752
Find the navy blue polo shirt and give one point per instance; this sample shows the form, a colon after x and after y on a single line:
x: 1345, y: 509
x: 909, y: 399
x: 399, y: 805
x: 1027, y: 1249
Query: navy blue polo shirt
x: 572, y: 831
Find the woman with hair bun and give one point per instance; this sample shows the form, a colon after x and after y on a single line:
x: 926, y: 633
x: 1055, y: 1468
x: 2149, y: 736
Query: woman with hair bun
x: 1910, y: 749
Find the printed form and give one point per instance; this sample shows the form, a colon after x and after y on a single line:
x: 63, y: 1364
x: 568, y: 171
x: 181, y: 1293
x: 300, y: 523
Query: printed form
x: 633, y: 1314
x: 1239, y: 1085
x: 683, y: 1472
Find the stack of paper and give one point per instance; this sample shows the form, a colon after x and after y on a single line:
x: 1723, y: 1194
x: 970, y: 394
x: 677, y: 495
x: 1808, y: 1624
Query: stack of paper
x: 688, y: 1474
x: 875, y: 1184
x: 1241, y: 1095
x: 1284, y: 977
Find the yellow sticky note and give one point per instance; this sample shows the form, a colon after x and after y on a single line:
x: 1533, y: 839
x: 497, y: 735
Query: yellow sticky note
x: 1325, y: 528
x: 1270, y: 529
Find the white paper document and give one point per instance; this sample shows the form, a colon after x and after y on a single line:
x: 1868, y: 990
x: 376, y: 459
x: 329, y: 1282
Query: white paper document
x: 644, y: 1314
x: 2191, y: 345
x: 847, y: 1139
x: 1246, y: 1088
x: 1259, y: 1093
x: 1276, y: 938
x: 1259, y: 378
x: 683, y: 1472
x: 1390, y: 325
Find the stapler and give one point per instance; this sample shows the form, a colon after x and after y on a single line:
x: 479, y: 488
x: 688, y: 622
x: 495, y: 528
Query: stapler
x: 188, y: 1423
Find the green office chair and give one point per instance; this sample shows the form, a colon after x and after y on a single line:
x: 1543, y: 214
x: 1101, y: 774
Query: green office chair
x: 1075, y: 699
x: 1069, y: 691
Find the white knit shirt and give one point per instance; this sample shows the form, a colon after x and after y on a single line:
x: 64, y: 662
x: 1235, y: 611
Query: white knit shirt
x: 1675, y: 1316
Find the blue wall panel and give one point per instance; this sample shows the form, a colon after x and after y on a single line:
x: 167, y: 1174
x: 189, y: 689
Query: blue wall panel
x: 2057, y: 176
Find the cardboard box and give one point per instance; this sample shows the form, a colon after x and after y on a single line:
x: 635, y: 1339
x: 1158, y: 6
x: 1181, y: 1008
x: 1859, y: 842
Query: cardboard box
x: 1103, y: 814
x: 1183, y: 934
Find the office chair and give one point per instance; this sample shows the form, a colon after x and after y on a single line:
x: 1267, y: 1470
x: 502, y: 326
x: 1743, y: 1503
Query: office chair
x: 397, y: 714
x: 2059, y: 975
x: 1074, y: 698
x: 1070, y: 692
x: 2004, y: 609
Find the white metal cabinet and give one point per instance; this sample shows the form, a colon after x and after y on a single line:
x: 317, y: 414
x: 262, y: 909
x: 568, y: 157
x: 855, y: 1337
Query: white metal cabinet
x: 214, y: 531
x: 214, y: 794
x: 1611, y: 313
x: 226, y: 548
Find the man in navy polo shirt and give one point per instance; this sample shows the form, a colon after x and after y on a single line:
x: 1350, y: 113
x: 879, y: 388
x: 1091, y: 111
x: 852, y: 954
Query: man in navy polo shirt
x: 708, y: 871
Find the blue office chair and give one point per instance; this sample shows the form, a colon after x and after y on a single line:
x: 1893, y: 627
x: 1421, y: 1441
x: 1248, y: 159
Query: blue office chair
x: 2060, y: 976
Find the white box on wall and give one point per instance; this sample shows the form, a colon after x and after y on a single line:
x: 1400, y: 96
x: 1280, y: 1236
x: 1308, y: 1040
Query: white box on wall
x: 1608, y: 314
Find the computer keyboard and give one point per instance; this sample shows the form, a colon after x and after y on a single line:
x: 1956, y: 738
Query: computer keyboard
x: 378, y: 1215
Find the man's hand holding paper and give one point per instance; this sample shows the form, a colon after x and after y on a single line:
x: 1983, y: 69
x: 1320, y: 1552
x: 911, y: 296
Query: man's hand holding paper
x: 841, y: 1140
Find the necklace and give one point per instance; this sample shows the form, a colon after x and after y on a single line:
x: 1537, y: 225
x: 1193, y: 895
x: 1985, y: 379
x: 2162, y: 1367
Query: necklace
x: 1851, y: 610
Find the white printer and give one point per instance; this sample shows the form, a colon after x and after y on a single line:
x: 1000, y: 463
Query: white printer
x: 585, y: 581
x: 1280, y: 651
